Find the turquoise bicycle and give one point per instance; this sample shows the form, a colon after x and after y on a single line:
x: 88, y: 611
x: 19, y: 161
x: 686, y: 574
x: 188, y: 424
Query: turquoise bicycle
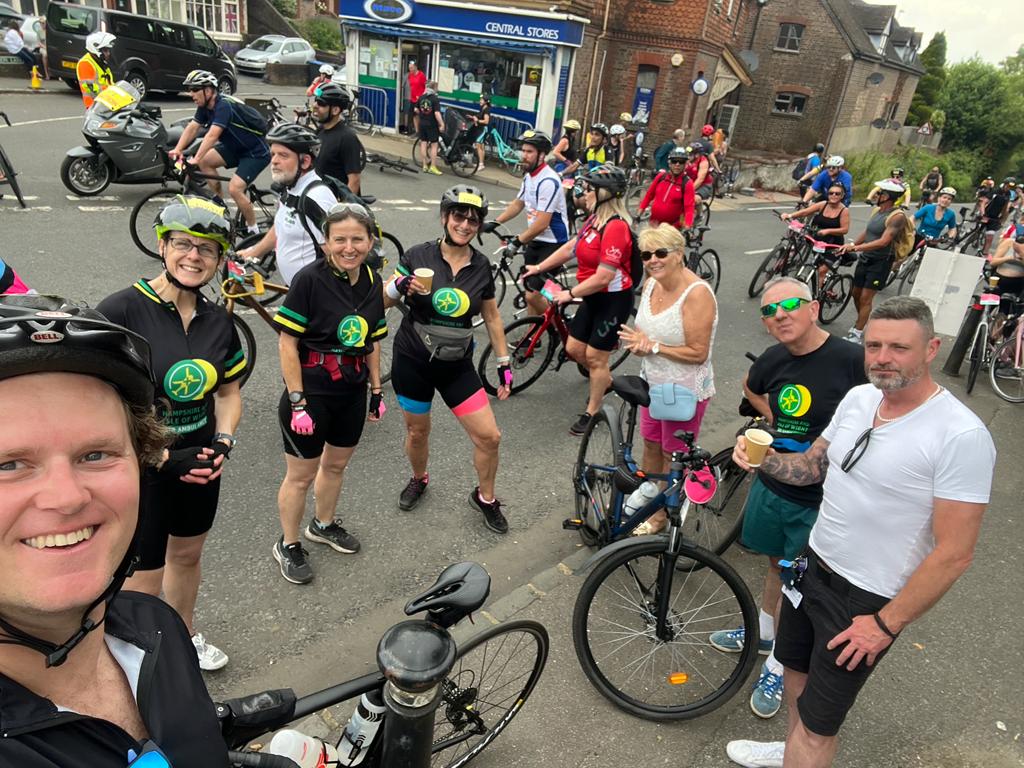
x: 506, y: 155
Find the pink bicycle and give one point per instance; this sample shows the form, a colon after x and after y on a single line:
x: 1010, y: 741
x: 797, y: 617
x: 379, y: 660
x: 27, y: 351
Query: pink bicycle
x: 828, y: 285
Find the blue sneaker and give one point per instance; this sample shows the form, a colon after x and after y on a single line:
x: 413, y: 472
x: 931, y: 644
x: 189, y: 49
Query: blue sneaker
x: 731, y: 641
x: 766, y: 699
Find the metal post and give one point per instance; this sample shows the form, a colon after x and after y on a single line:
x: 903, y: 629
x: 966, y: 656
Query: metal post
x: 963, y: 338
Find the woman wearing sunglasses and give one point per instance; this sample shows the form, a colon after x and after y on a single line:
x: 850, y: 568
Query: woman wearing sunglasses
x: 831, y: 220
x: 330, y: 322
x: 445, y: 283
x: 674, y: 333
x: 198, y: 360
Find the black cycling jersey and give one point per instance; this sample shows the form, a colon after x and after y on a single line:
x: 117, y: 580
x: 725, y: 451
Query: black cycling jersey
x: 821, y: 221
x: 454, y: 300
x: 152, y: 646
x: 189, y: 366
x: 341, y: 153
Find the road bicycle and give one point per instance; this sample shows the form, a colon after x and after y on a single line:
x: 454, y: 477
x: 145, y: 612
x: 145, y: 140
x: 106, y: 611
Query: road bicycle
x: 644, y: 614
x: 445, y: 702
x: 906, y: 273
x: 532, y: 342
x: 507, y: 156
x: 1006, y: 373
x: 979, y: 355
x: 830, y: 287
x: 703, y: 262
x: 8, y: 175
x: 382, y: 162
x: 191, y: 182
x: 459, y: 154
x: 970, y: 235
x: 786, y: 257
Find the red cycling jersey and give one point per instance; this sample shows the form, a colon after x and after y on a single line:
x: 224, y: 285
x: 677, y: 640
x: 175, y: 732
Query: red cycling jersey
x: 671, y: 200
x: 612, y: 246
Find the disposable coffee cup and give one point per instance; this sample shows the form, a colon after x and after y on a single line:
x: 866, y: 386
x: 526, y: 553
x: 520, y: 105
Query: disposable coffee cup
x: 425, y: 276
x: 993, y: 280
x: 758, y: 442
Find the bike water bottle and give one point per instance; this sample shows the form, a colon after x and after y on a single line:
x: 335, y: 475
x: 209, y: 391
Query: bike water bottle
x: 306, y: 751
x: 361, y: 729
x: 641, y: 496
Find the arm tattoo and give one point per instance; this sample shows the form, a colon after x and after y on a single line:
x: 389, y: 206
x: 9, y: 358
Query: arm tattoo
x: 805, y: 468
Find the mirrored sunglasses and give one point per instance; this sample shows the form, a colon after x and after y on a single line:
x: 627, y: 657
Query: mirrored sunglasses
x: 787, y: 305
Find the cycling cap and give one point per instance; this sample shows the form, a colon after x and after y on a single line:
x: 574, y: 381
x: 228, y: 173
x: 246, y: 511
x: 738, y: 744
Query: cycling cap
x: 97, y: 41
x: 600, y: 128
x: 891, y: 185
x: 327, y: 69
x: 617, y: 130
x: 571, y: 125
x: 707, y: 130
x: 678, y: 153
x: 200, y: 78
x: 948, y: 191
x: 607, y: 176
x: 41, y: 334
x: 819, y: 148
x: 297, y: 138
x: 195, y: 216
x: 538, y: 139
x: 836, y: 161
x: 464, y: 196
x: 625, y: 117
x: 333, y: 95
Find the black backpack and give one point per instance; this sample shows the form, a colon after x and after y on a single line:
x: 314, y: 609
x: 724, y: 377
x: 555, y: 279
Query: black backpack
x: 246, y: 117
x: 800, y: 168
x: 636, y: 265
x: 310, y: 212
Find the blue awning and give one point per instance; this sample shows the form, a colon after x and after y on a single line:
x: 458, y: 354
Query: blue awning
x: 535, y: 49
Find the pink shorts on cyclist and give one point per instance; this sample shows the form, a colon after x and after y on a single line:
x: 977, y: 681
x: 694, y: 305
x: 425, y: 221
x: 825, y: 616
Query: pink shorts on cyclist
x: 661, y: 432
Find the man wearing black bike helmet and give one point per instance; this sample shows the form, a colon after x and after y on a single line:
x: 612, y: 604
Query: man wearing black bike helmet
x: 199, y: 361
x: 445, y: 283
x: 547, y: 223
x: 603, y: 249
x: 341, y: 153
x: 296, y: 233
x: 89, y: 674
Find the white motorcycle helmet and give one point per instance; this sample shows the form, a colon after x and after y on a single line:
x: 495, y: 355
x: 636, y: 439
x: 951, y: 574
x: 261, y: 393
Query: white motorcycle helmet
x: 97, y: 41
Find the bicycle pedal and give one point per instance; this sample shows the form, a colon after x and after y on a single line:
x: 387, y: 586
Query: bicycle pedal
x: 572, y: 524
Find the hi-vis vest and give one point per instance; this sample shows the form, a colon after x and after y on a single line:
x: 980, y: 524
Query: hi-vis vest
x: 93, y: 76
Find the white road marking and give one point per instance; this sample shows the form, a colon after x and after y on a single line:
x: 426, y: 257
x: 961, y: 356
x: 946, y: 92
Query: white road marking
x: 394, y: 202
x: 80, y: 118
x: 32, y: 208
x: 755, y: 253
x: 411, y: 208
x: 95, y: 208
x: 75, y: 198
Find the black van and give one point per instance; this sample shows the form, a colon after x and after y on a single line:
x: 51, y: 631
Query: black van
x: 150, y: 53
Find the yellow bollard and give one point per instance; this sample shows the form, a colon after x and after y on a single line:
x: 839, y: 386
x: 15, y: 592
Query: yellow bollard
x: 37, y: 82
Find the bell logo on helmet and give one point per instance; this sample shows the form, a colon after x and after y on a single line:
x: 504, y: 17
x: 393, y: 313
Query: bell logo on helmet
x: 46, y: 337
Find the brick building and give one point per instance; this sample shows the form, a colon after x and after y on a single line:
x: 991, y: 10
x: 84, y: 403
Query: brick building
x: 841, y: 72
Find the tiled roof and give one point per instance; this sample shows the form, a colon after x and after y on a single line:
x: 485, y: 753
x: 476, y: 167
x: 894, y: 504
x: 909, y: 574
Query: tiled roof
x: 856, y: 20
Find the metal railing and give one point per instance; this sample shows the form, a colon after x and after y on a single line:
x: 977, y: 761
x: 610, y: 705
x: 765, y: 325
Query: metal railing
x: 377, y: 100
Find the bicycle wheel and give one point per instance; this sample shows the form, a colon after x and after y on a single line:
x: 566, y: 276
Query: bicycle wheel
x: 416, y: 159
x: 11, y: 176
x: 500, y: 287
x: 709, y: 268
x: 530, y: 350
x: 676, y: 675
x: 463, y: 160
x: 774, y: 264
x: 908, y: 277
x: 361, y: 119
x: 494, y: 674
x: 390, y: 250
x: 977, y: 354
x: 716, y: 525
x: 140, y: 222
x: 593, y: 477
x: 834, y: 295
x: 702, y: 215
x: 248, y: 340
x: 264, y: 205
x: 1006, y: 377
x: 633, y: 198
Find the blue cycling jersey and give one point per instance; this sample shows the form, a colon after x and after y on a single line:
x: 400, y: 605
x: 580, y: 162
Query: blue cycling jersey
x: 927, y: 224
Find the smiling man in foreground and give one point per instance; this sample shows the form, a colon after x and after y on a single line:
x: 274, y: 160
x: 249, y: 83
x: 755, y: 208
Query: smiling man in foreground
x: 907, y: 471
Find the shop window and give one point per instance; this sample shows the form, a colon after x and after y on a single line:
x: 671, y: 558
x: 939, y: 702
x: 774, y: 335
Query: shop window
x: 789, y: 103
x: 466, y: 71
x: 378, y: 58
x: 789, y: 37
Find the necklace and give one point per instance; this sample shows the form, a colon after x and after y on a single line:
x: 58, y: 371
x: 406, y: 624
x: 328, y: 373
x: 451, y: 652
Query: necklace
x: 881, y: 418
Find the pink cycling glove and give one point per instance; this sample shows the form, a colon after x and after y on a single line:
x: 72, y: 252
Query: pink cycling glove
x: 302, y: 423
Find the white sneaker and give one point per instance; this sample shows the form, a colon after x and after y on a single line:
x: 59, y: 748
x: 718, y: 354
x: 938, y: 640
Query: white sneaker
x: 854, y: 336
x: 210, y: 656
x: 756, y: 754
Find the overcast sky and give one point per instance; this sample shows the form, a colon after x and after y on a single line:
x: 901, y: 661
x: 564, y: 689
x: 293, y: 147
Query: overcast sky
x: 993, y: 29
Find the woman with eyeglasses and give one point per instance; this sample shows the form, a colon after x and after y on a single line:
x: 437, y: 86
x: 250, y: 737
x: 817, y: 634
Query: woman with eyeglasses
x: 673, y: 337
x: 830, y: 220
x: 197, y: 360
x: 331, y: 323
x: 444, y: 284
x: 602, y: 249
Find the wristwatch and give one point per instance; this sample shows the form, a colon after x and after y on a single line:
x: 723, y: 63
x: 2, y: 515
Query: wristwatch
x: 224, y: 437
x: 296, y: 397
x: 656, y: 348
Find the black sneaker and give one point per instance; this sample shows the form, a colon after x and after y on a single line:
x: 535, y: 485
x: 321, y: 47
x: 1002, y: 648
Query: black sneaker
x: 493, y: 518
x: 580, y: 425
x: 333, y: 535
x: 412, y: 492
x: 292, y: 559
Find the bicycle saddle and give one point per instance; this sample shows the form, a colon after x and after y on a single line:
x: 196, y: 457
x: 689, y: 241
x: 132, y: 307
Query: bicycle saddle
x: 703, y: 229
x: 368, y: 199
x: 459, y: 590
x: 632, y: 389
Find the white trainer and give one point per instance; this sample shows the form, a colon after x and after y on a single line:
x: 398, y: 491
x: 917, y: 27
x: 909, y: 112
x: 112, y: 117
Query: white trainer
x: 210, y: 656
x: 756, y: 754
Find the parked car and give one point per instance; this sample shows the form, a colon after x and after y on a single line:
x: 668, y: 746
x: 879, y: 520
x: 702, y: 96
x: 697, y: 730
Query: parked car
x: 31, y: 26
x: 273, y: 49
x: 150, y: 53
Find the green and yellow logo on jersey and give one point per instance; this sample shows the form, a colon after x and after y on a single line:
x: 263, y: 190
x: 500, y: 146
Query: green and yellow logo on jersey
x: 450, y: 302
x: 794, y: 400
x: 189, y: 380
x: 352, y: 331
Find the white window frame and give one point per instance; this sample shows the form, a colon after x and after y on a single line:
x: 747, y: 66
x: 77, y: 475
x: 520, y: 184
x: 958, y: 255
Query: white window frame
x: 799, y: 38
x: 789, y: 99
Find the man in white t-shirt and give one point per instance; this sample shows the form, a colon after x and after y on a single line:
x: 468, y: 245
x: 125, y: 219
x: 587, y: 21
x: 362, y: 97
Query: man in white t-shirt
x: 907, y: 472
x: 293, y: 151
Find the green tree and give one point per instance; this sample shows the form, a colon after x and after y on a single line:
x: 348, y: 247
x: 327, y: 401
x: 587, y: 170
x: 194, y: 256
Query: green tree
x: 974, y: 92
x: 933, y: 59
x: 1014, y: 65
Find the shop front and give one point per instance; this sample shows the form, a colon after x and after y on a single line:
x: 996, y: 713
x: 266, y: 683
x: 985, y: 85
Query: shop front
x: 522, y: 59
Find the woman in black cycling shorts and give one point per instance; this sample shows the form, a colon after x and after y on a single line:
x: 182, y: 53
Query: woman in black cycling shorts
x: 446, y: 283
x: 331, y: 321
x: 197, y: 360
x: 602, y: 249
